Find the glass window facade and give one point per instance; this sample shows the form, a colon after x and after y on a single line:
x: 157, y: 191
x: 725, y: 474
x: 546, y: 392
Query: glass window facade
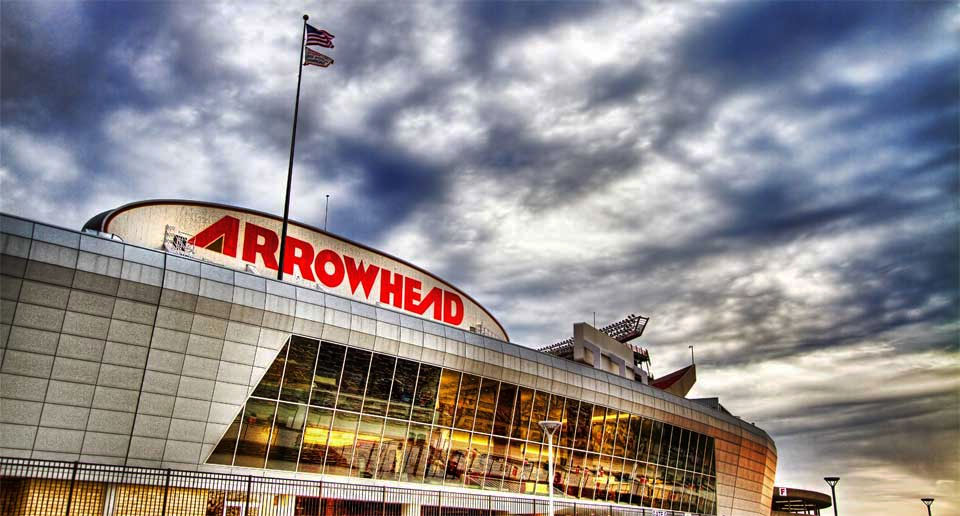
x: 326, y: 408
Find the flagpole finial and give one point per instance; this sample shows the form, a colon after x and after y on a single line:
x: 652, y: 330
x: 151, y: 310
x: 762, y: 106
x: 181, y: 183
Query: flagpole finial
x: 306, y: 17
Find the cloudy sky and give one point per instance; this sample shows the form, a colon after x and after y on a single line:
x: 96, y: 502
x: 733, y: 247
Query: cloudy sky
x: 775, y: 184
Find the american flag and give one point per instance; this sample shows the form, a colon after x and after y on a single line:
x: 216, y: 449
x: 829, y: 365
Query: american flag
x: 320, y: 37
x: 316, y: 58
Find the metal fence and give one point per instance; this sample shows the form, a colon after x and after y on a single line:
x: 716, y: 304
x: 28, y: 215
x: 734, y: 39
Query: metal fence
x: 57, y: 488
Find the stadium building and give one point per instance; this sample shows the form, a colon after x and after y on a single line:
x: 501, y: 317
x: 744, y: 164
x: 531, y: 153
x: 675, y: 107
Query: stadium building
x: 152, y: 364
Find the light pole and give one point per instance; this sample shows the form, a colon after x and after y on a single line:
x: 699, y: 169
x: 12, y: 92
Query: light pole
x: 549, y: 428
x: 928, y: 502
x: 833, y: 491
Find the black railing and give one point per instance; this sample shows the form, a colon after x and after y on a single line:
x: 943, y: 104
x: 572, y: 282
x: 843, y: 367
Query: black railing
x: 57, y: 488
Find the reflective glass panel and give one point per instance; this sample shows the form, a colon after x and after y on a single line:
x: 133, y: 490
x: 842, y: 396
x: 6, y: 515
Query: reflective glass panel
x: 694, y: 453
x: 425, y: 401
x: 569, y: 423
x: 555, y: 413
x: 561, y: 468
x: 643, y: 447
x: 576, y: 473
x: 354, y: 380
x: 667, y: 446
x: 623, y: 426
x: 447, y: 397
x: 657, y: 495
x: 416, y: 453
x: 672, y: 487
x: 584, y: 416
x: 710, y: 488
x: 513, y: 478
x: 603, y: 478
x: 458, y: 459
x: 633, y: 435
x: 591, y: 480
x: 505, y: 401
x: 378, y: 386
x: 540, y: 402
x: 609, y: 431
x: 327, y: 376
x: 478, y: 460
x: 285, y: 438
x: 627, y: 481
x: 315, y: 440
x: 617, y: 480
x: 254, y: 433
x: 656, y: 436
x: 710, y: 466
x: 298, y: 376
x: 687, y: 497
x: 401, y: 394
x: 467, y: 401
x: 498, y: 463
x: 486, y: 405
x: 638, y: 479
x: 596, y: 428
x: 269, y: 386
x: 668, y: 494
x: 536, y: 474
x: 391, y: 449
x: 646, y: 486
x: 679, y: 490
x: 368, y: 444
x: 680, y: 456
x: 340, y: 450
x: 223, y: 453
x: 521, y: 414
x: 696, y: 498
x: 437, y: 461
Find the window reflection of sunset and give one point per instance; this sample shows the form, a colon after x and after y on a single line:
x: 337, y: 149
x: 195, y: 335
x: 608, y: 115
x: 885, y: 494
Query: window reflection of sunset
x: 359, y: 441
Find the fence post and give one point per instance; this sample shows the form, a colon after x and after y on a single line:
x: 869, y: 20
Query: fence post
x: 247, y: 503
x: 439, y: 503
x: 320, y: 508
x: 383, y: 502
x: 73, y: 480
x: 489, y: 505
x: 166, y: 490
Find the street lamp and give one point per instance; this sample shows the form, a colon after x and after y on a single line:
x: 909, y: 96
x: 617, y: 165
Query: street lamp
x: 928, y: 502
x: 833, y: 491
x: 549, y: 428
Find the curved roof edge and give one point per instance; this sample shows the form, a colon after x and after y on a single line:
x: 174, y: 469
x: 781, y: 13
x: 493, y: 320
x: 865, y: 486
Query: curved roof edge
x: 100, y: 222
x: 800, y: 498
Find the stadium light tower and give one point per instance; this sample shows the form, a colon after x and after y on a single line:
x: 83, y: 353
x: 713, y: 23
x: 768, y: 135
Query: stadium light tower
x: 928, y: 502
x: 550, y: 427
x: 833, y: 491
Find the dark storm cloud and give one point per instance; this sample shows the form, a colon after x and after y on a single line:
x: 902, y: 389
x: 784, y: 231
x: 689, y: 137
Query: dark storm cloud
x: 396, y: 183
x: 618, y: 85
x: 52, y: 83
x: 490, y: 27
x: 761, y: 42
x: 550, y: 173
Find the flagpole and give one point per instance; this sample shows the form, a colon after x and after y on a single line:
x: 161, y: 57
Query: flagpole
x: 293, y: 142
